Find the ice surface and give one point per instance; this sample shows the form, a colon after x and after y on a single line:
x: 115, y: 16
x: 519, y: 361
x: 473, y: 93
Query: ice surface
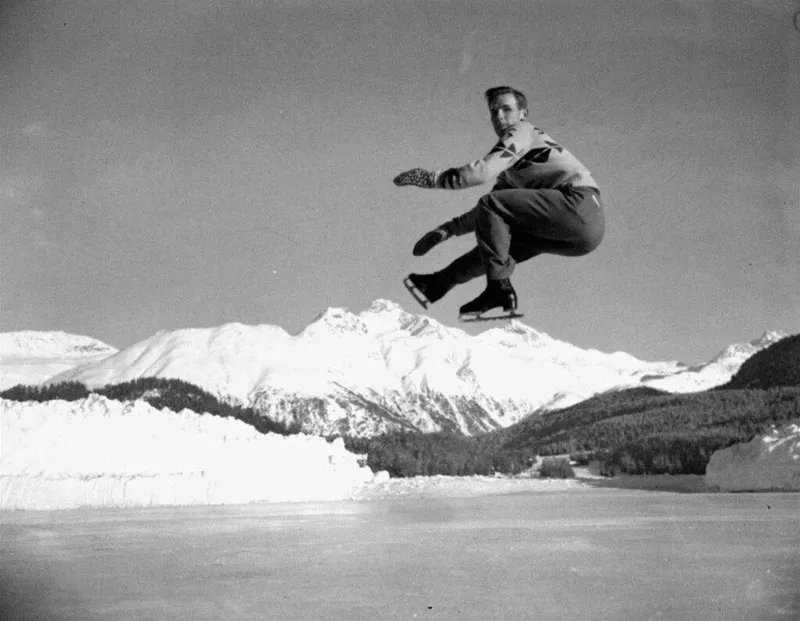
x: 98, y: 452
x: 770, y: 462
x: 598, y: 554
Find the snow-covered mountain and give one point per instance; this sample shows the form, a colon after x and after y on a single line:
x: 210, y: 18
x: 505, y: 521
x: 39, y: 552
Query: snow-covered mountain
x: 718, y: 371
x: 30, y: 357
x: 33, y: 344
x: 386, y: 368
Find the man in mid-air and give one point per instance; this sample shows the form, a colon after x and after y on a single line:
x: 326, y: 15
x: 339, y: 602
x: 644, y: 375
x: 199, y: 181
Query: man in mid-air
x: 543, y: 201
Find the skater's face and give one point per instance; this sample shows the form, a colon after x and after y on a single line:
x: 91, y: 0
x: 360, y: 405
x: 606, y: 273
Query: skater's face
x: 505, y: 111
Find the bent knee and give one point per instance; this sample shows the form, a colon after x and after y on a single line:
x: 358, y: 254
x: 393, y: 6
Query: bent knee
x: 488, y: 202
x: 590, y: 242
x: 486, y: 210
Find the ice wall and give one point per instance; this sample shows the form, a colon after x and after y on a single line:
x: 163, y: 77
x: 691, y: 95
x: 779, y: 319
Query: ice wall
x: 98, y: 452
x: 771, y: 462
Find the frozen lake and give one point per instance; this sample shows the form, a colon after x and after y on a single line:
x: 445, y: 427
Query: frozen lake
x: 601, y: 553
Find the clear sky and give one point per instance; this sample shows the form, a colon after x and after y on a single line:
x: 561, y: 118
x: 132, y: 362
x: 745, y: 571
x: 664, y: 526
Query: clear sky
x: 189, y: 163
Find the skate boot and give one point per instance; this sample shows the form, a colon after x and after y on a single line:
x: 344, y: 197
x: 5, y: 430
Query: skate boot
x: 497, y: 293
x: 426, y: 288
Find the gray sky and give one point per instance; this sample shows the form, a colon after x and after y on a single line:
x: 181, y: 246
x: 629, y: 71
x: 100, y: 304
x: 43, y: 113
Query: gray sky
x: 183, y: 164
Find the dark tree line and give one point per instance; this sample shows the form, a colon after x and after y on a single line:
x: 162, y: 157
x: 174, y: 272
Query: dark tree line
x: 407, y: 454
x: 674, y: 435
x: 173, y: 394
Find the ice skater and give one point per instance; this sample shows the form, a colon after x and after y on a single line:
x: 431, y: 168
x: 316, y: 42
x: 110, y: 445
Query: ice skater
x: 543, y: 201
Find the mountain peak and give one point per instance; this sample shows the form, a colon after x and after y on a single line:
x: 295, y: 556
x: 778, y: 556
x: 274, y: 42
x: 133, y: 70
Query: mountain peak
x: 384, y: 316
x: 516, y: 333
x: 738, y: 352
x: 517, y: 327
x: 53, y: 344
x: 383, y: 306
x: 379, y: 369
x: 770, y: 337
x: 334, y: 321
x: 380, y: 318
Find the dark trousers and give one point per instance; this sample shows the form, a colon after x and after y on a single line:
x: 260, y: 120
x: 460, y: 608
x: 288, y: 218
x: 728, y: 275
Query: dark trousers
x: 513, y: 226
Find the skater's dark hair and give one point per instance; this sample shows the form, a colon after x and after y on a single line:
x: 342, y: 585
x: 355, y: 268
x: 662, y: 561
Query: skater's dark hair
x: 496, y: 91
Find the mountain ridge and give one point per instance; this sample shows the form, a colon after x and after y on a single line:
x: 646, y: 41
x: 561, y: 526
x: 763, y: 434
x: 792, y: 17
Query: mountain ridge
x: 385, y: 368
x: 51, y: 344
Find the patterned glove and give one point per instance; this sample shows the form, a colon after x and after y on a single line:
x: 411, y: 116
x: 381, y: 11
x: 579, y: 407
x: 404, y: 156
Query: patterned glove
x: 431, y: 239
x: 417, y: 176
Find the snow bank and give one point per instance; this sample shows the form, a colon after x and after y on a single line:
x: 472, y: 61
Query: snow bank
x: 98, y: 452
x: 771, y: 462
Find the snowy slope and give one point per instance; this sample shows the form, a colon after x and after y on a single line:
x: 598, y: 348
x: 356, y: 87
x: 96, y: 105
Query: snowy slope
x: 771, y: 462
x: 386, y: 368
x: 30, y: 357
x: 97, y: 452
x: 383, y: 368
x: 33, y: 344
x: 716, y: 372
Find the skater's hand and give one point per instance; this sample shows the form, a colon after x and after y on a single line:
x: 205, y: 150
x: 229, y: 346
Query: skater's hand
x: 417, y: 176
x: 429, y: 240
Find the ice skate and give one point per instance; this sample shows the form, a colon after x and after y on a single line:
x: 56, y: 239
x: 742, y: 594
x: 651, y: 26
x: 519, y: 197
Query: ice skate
x: 497, y: 293
x: 425, y: 288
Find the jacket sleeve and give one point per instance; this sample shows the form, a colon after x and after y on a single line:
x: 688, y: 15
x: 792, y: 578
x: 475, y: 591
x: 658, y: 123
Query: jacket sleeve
x: 461, y: 225
x: 515, y: 142
x: 465, y: 223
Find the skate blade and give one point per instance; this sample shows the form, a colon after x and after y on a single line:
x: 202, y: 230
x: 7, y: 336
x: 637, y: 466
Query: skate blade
x: 471, y: 317
x: 416, y: 293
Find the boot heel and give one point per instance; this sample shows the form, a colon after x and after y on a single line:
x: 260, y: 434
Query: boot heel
x: 511, y: 302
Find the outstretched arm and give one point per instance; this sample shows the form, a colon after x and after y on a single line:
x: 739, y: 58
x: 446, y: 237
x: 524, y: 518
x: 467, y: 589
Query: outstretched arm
x: 506, y: 152
x: 513, y: 144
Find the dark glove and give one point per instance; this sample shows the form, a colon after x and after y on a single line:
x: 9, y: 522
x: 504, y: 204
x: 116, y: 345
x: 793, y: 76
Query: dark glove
x: 416, y: 176
x: 431, y: 239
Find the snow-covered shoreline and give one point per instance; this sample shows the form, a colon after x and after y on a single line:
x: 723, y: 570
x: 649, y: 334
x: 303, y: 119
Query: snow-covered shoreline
x: 768, y: 463
x: 97, y: 452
